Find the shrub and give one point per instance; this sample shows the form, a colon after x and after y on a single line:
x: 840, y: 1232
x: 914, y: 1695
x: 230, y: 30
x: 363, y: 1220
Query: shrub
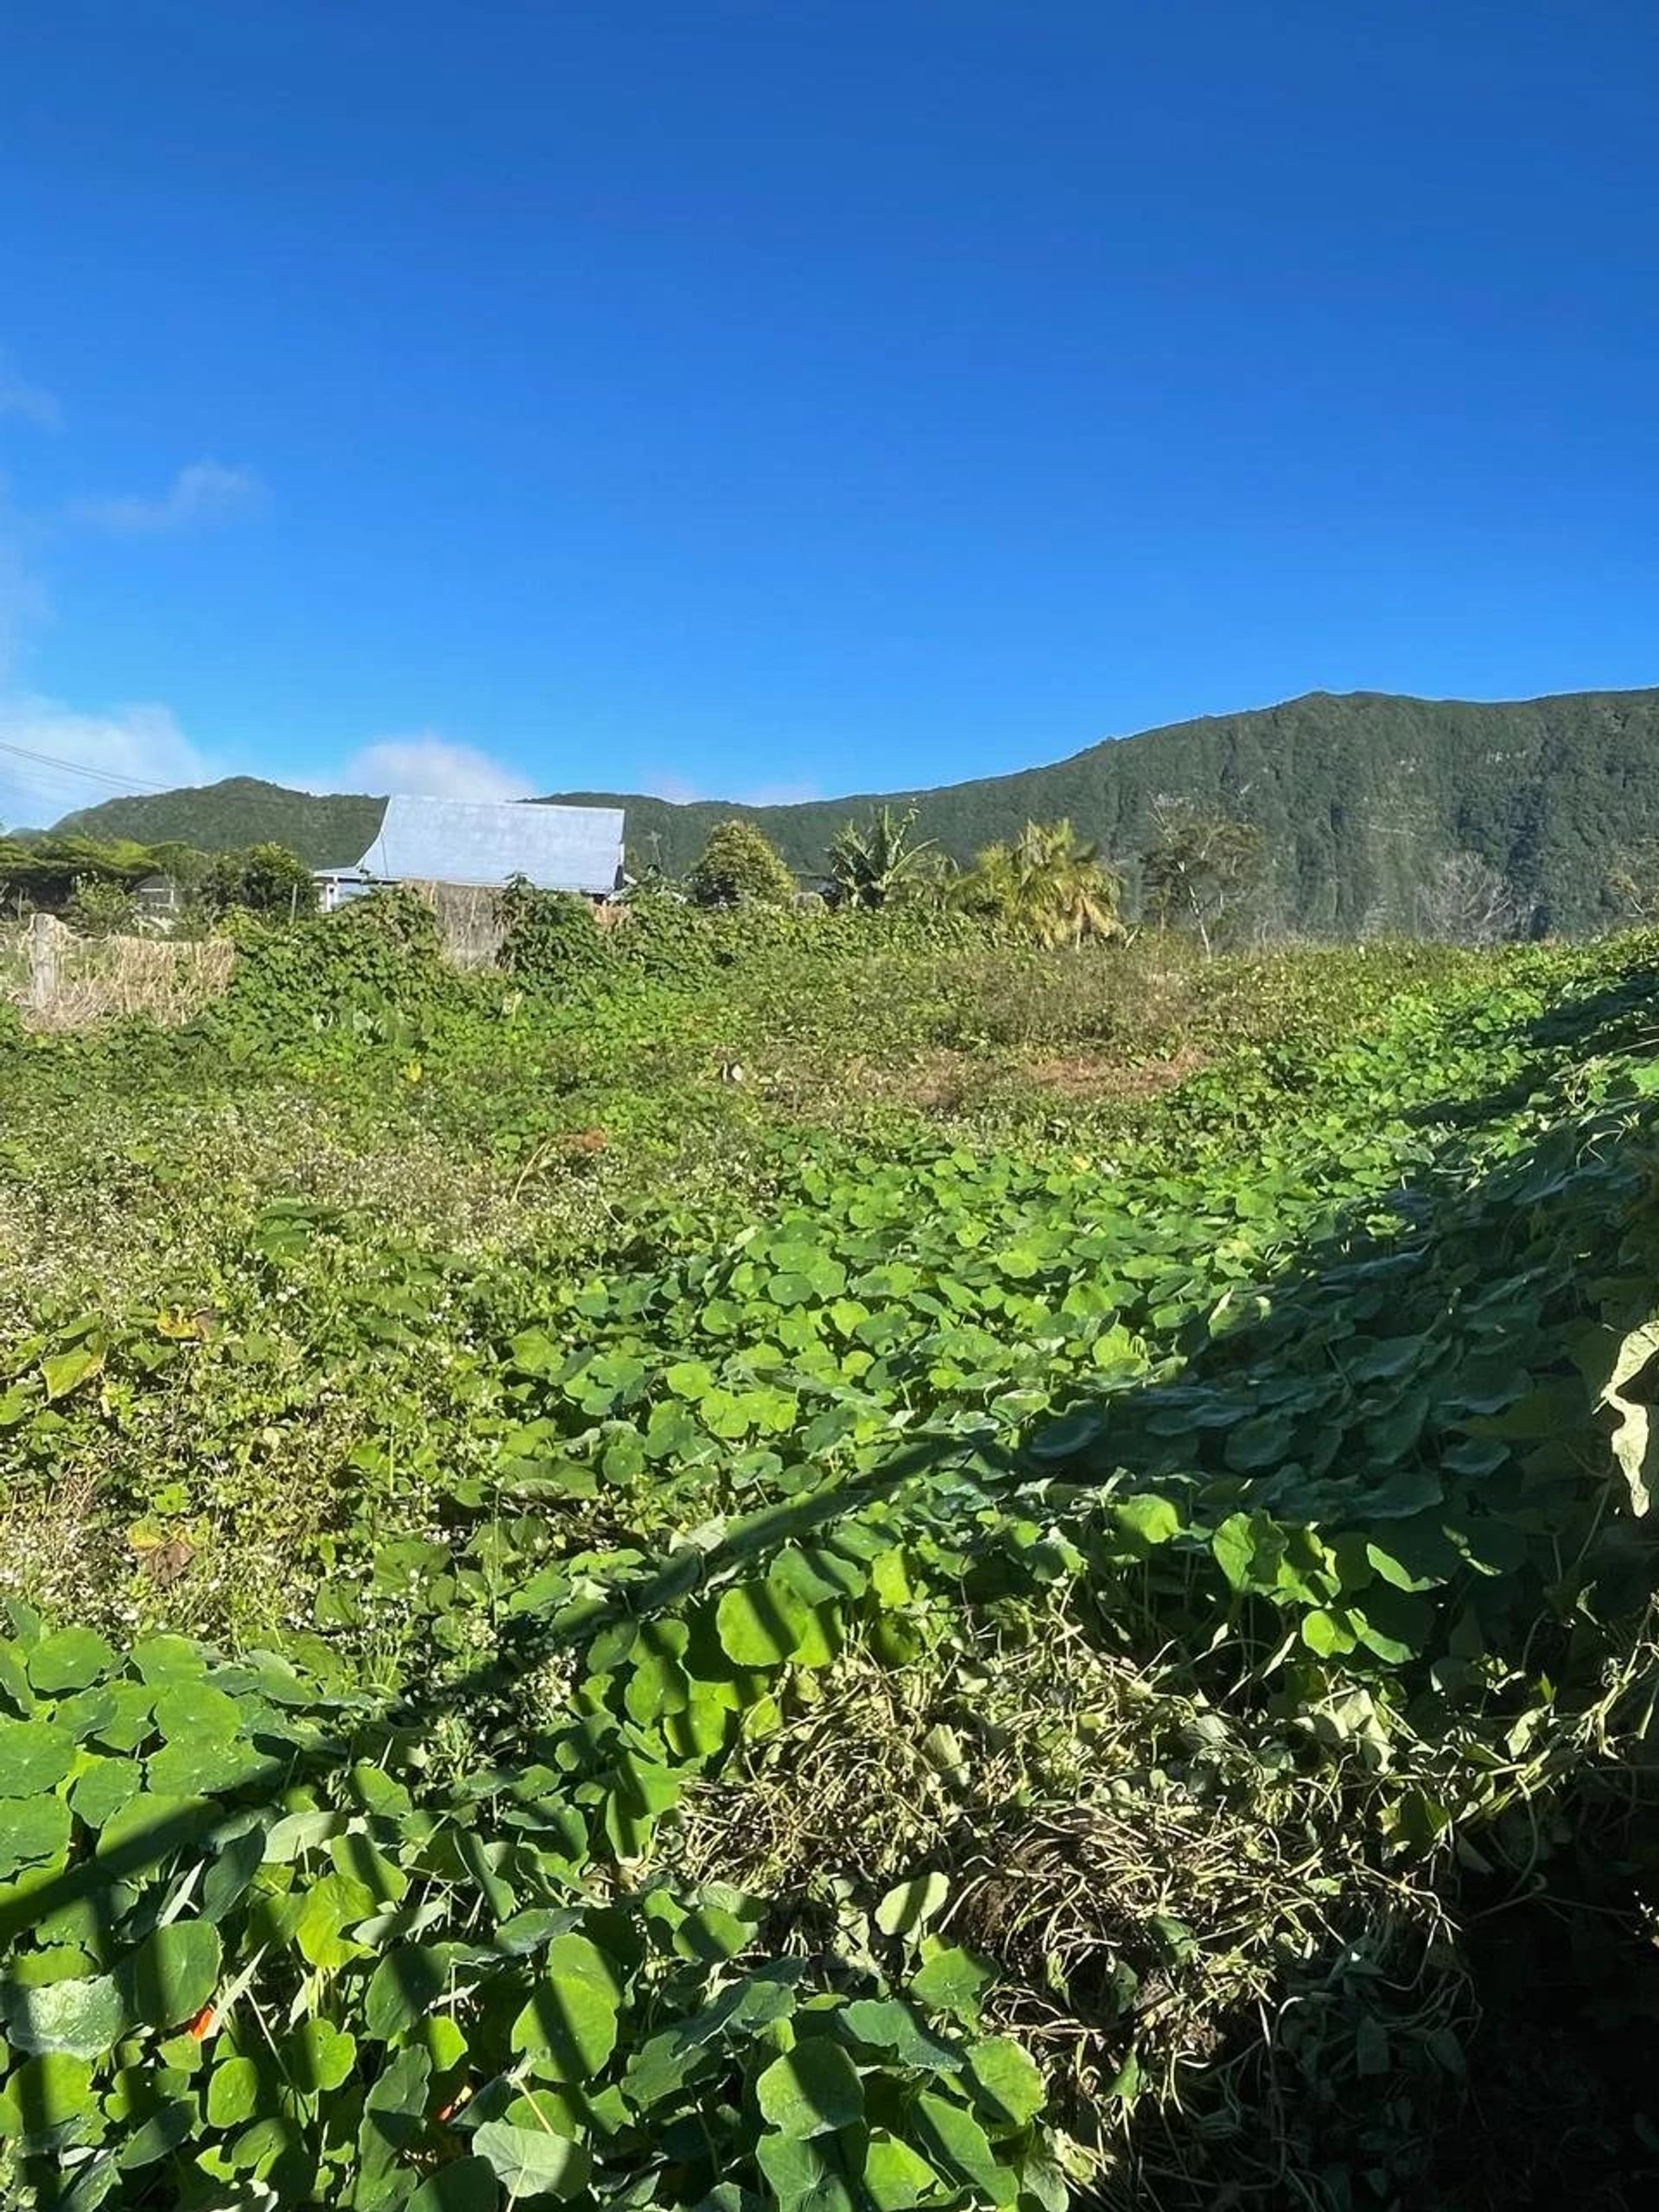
x: 263, y: 880
x: 549, y: 936
x: 101, y: 908
x: 738, y: 868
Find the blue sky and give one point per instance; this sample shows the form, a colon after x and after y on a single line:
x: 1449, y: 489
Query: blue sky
x: 806, y: 395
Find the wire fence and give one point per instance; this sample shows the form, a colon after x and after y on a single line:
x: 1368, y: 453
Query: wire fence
x: 58, y: 980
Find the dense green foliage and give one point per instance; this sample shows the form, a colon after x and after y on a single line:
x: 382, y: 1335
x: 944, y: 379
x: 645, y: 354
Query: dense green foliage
x: 262, y: 879
x: 876, y: 862
x: 1046, y: 885
x: 47, y: 871
x: 1044, y: 1598
x: 738, y: 868
x: 331, y: 830
x: 547, y: 937
x: 91, y: 881
x: 1358, y: 798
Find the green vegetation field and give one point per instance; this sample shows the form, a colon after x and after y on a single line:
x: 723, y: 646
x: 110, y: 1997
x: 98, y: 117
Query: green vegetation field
x: 800, y: 1562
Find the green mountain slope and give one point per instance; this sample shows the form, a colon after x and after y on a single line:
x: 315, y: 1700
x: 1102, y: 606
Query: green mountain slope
x: 327, y: 830
x: 1358, y: 796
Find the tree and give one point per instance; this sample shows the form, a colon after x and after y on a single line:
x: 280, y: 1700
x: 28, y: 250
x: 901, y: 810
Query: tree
x: 1633, y: 883
x: 1200, y: 869
x: 876, y: 861
x: 1464, y: 900
x: 263, y: 880
x: 1048, y: 883
x: 738, y: 868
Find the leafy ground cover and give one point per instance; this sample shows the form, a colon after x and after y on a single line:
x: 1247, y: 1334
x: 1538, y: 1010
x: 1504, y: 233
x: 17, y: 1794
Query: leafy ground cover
x: 616, y: 1596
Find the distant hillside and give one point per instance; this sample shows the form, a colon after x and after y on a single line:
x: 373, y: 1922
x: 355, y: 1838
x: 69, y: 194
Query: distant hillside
x: 327, y: 830
x: 1358, y: 795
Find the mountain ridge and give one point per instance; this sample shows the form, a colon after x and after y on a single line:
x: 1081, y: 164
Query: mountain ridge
x: 1358, y: 794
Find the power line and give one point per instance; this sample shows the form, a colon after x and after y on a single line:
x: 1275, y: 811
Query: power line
x: 107, y: 776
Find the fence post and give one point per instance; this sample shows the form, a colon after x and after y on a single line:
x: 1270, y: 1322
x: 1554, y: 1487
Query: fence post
x: 43, y: 962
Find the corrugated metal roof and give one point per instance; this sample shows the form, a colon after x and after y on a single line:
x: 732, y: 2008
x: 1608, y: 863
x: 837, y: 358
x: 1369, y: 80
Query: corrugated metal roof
x: 452, y: 841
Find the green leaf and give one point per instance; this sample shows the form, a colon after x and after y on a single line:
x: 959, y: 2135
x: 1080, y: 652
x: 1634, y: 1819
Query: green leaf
x: 195, y: 1712
x: 68, y: 1659
x: 760, y: 1624
x: 1387, y: 1357
x: 711, y: 1934
x: 234, y: 2089
x: 1147, y: 1520
x: 895, y: 2178
x: 129, y: 1720
x: 14, y: 1677
x: 66, y: 1370
x: 33, y: 1830
x: 409, y: 1982
x: 1007, y: 2081
x: 164, y: 1661
x: 953, y: 2138
x: 1395, y: 1571
x: 688, y: 1378
x: 394, y: 2114
x: 1261, y: 1441
x: 568, y: 2030
x: 148, y: 1829
x: 34, y: 1756
x: 907, y: 1907
x: 171, y: 1976
x: 166, y: 2127
x: 238, y: 1861
x: 44, y: 2094
x: 951, y: 1981
x: 806, y: 2175
x: 319, y: 2055
x: 887, y: 2025
x: 531, y: 2161
x: 331, y: 1906
x: 811, y: 2090
x: 85, y: 2018
x: 1326, y: 1633
x: 1234, y: 1547
x: 357, y: 1858
x: 102, y: 1789
x: 201, y: 1768
x: 468, y: 2185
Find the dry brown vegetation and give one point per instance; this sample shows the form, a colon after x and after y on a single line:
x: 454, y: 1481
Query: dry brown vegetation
x: 71, y: 982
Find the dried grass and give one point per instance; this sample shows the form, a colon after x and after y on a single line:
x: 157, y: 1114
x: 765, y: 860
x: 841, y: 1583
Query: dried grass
x: 1147, y: 1876
x: 85, y: 981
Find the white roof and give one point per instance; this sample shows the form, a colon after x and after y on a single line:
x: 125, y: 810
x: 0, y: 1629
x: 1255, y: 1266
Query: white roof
x: 454, y: 841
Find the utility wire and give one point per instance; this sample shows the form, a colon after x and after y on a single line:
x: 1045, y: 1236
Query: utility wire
x: 78, y: 768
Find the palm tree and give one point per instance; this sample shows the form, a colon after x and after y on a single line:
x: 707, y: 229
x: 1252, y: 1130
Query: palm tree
x: 1047, y: 883
x: 871, y: 864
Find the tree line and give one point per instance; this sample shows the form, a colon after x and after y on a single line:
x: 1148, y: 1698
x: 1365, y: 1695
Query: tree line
x: 1201, y: 872
x: 1204, y: 873
x: 94, y: 884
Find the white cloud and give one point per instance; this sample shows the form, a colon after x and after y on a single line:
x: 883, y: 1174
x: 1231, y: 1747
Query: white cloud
x: 29, y: 402
x: 205, y: 493
x: 54, y: 760
x: 426, y: 766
